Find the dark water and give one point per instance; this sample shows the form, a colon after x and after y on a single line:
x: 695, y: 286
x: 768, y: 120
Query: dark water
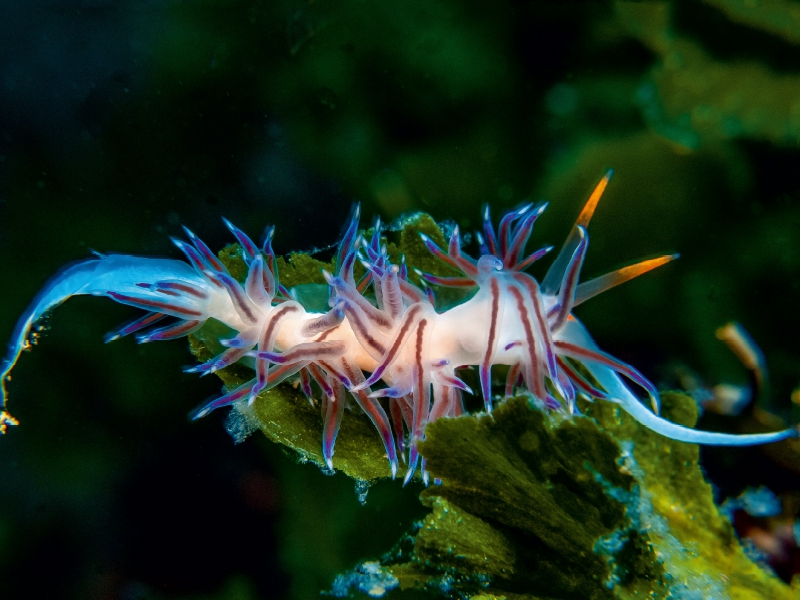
x: 122, y: 121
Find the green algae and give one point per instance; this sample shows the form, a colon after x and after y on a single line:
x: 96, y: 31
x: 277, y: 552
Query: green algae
x: 596, y: 507
x: 298, y: 269
x: 777, y: 17
x: 695, y: 98
x: 471, y: 543
x: 707, y: 555
x: 535, y: 486
x: 302, y: 269
x: 285, y: 416
x: 414, y: 249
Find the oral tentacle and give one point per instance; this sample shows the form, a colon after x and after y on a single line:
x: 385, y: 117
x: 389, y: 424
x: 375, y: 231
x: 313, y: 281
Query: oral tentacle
x: 592, y: 288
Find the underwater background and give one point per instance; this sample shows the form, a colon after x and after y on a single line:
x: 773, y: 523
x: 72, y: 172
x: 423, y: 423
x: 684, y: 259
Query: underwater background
x: 122, y: 121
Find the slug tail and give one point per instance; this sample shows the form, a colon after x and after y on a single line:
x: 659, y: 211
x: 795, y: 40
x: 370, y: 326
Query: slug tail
x: 111, y: 274
x: 684, y: 434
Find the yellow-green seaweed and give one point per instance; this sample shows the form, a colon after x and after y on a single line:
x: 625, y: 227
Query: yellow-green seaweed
x: 694, y: 97
x: 594, y: 507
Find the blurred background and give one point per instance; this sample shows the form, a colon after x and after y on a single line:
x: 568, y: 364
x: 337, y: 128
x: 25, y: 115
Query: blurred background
x: 122, y: 121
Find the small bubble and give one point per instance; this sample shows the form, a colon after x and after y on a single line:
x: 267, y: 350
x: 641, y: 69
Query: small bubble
x: 362, y: 488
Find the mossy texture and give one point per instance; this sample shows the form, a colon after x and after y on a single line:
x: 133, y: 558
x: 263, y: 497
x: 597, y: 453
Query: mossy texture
x: 532, y: 506
x: 536, y: 487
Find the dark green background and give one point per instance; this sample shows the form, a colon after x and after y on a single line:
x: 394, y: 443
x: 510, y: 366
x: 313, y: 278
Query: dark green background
x: 120, y: 121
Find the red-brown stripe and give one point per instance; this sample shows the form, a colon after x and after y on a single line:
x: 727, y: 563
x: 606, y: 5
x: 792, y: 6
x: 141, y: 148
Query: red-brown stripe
x: 494, y: 287
x: 529, y: 339
x: 147, y: 304
x: 541, y: 320
x: 183, y: 287
x: 273, y: 322
x: 408, y: 320
x: 422, y: 392
x: 579, y: 380
x: 358, y: 325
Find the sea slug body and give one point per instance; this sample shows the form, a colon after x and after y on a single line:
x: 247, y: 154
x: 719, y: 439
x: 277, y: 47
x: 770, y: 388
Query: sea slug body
x: 396, y: 336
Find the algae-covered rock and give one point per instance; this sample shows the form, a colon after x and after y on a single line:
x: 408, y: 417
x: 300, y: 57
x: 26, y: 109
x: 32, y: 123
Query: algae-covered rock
x: 532, y: 506
x: 540, y: 488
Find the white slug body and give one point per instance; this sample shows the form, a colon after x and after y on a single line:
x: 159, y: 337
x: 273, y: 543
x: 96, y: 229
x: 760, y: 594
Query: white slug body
x: 394, y: 352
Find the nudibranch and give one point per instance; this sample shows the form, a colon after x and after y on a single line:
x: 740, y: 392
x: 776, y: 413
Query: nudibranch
x: 383, y: 343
